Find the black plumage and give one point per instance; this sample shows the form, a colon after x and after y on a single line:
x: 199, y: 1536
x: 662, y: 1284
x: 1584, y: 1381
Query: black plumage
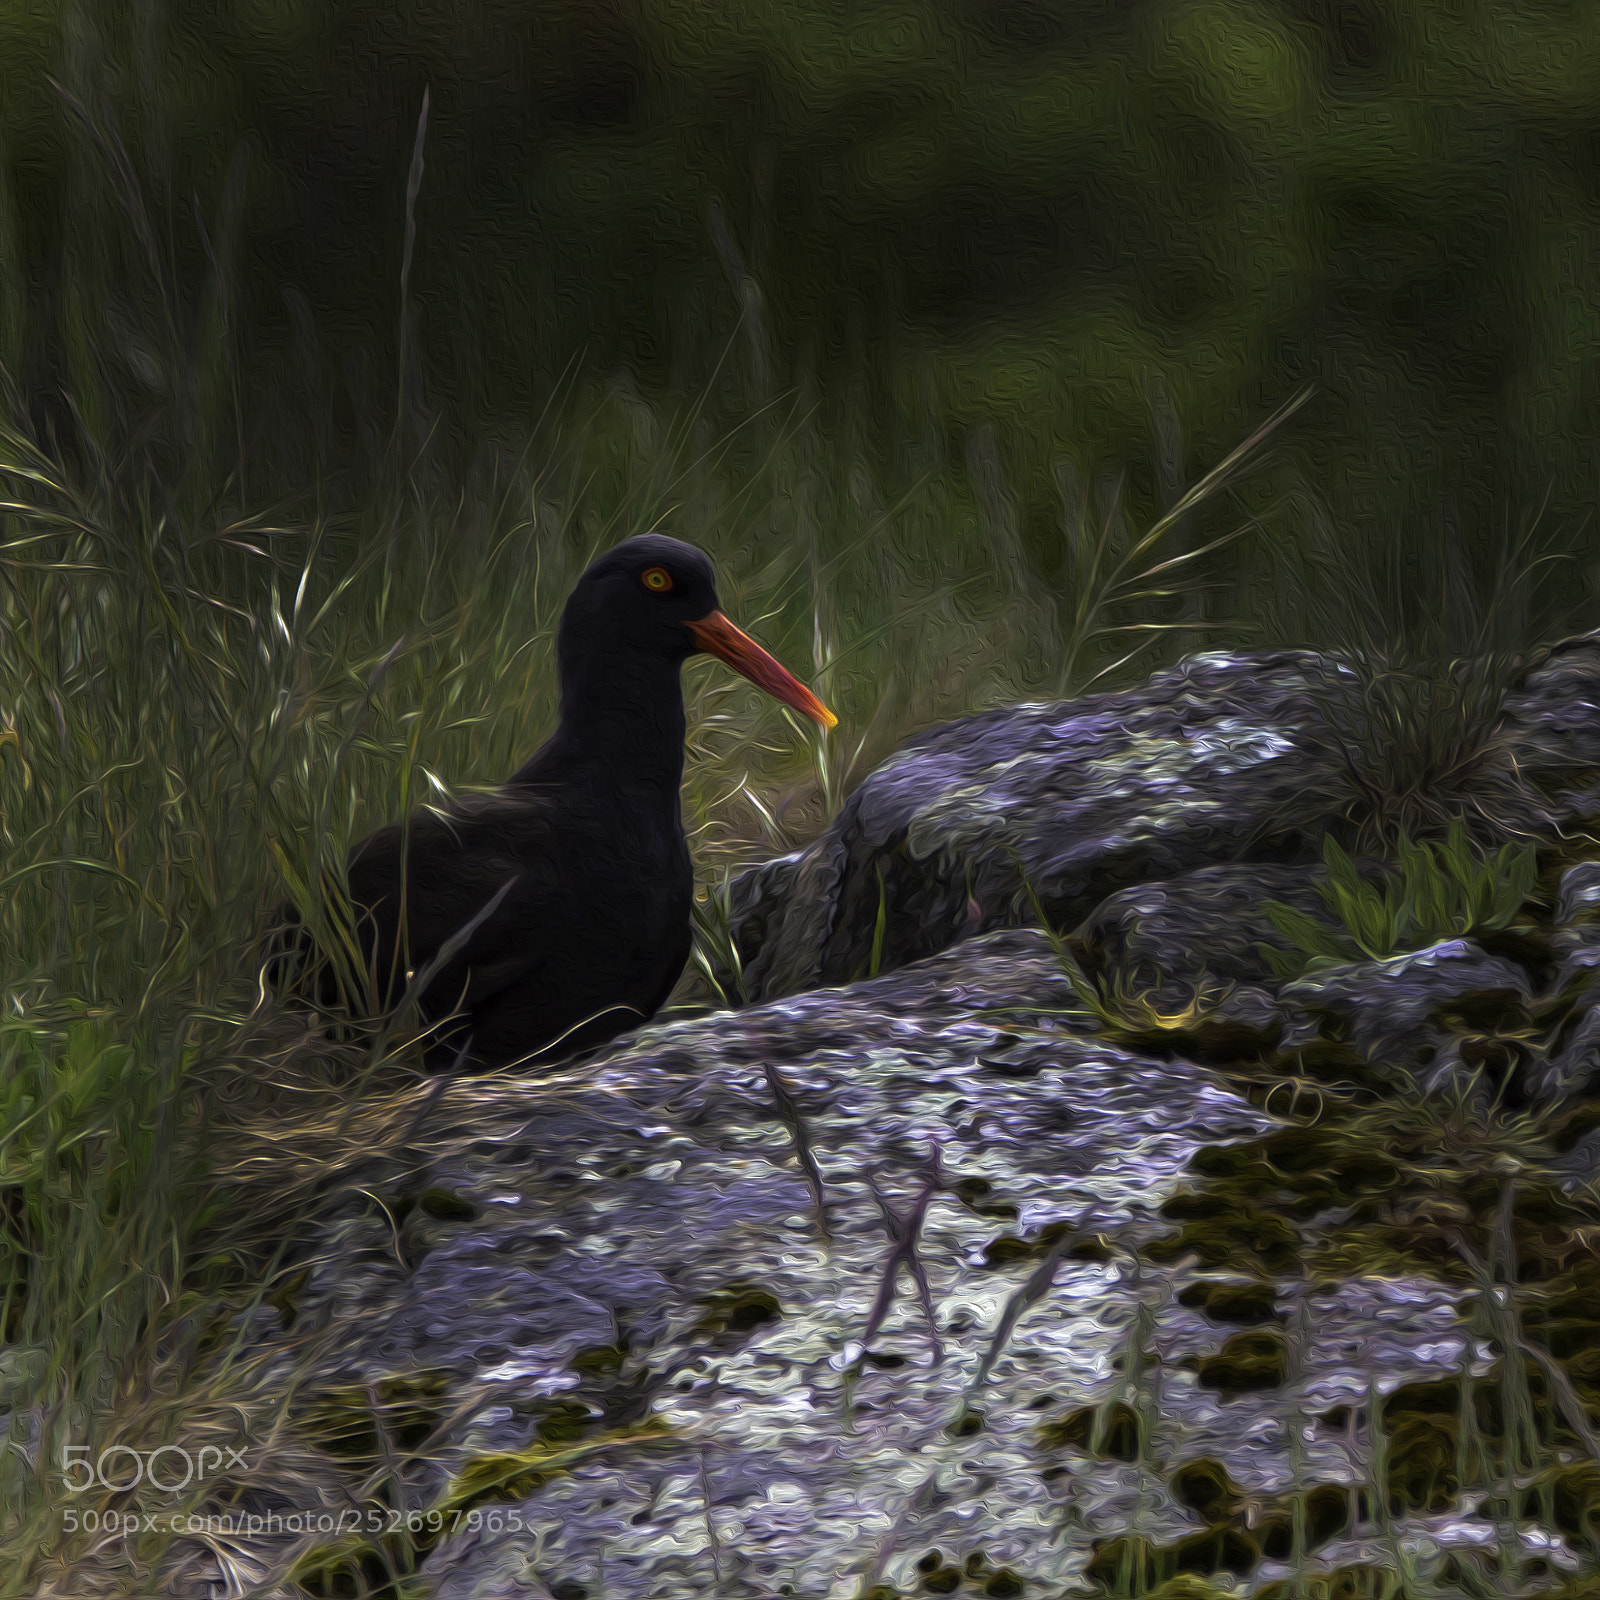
x: 553, y: 914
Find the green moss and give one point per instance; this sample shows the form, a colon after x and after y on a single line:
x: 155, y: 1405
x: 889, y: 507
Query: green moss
x: 1128, y: 1566
x: 1227, y: 1543
x: 978, y: 1195
x: 1197, y: 1205
x: 1399, y: 1189
x: 1345, y: 1583
x: 1188, y: 1587
x: 1421, y: 1422
x: 1425, y: 1450
x: 1586, y: 1587
x: 1422, y: 1464
x: 565, y: 1422
x: 1568, y: 1334
x: 1093, y: 1248
x: 740, y: 1309
x: 1320, y: 1161
x: 1113, y: 1432
x: 1204, y: 1486
x: 1135, y: 1566
x: 1570, y: 1497
x: 599, y: 1360
x: 1398, y: 1194
x: 1255, y: 1359
x: 968, y: 1424
x: 1225, y: 1232
x: 1007, y: 1250
x: 1226, y: 1547
x: 1233, y: 1162
x: 1541, y: 1206
x: 1324, y: 1512
x: 1294, y: 1150
x: 447, y: 1206
x: 1328, y: 1511
x: 1247, y: 1303
x: 1440, y: 1397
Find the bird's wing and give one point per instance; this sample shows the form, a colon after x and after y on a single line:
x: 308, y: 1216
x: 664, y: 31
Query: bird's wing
x: 474, y: 878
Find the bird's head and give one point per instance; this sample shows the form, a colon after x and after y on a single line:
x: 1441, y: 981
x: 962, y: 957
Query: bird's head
x: 658, y: 596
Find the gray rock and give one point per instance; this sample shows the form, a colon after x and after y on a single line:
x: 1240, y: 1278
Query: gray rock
x: 1217, y: 760
x: 1258, y: 1011
x: 619, y: 1205
x: 1574, y: 1069
x: 1576, y: 939
x: 1551, y: 725
x: 1072, y: 800
x: 1203, y: 928
x: 1391, y: 1007
x: 1578, y: 897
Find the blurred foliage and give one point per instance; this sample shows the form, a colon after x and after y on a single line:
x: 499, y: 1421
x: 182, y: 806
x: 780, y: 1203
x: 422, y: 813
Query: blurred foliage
x: 1044, y: 217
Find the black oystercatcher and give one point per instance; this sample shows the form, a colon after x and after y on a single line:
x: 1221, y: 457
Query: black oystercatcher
x: 554, y: 913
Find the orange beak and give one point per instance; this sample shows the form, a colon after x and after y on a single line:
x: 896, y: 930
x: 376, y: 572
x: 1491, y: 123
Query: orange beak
x: 718, y: 637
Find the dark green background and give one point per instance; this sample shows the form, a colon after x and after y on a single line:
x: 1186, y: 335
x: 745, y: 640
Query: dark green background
x: 1050, y: 215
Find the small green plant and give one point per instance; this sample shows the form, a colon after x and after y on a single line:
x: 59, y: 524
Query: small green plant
x: 1438, y: 890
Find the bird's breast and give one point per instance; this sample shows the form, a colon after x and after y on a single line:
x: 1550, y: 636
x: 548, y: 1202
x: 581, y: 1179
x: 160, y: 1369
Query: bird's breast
x: 635, y: 872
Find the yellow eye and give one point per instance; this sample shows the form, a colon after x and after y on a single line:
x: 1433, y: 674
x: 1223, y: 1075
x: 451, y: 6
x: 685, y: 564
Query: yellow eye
x: 657, y: 578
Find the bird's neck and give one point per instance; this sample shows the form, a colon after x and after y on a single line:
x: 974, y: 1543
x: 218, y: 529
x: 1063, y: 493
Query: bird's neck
x: 622, y: 728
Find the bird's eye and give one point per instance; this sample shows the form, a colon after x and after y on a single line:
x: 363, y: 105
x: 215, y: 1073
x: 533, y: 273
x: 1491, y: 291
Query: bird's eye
x: 657, y: 578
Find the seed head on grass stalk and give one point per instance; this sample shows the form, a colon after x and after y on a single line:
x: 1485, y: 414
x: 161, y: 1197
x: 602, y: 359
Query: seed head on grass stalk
x: 1104, y: 582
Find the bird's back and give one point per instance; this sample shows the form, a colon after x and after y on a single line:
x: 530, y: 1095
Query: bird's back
x: 532, y: 911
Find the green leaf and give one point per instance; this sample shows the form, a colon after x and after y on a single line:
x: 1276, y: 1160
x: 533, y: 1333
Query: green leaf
x: 1434, y: 891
